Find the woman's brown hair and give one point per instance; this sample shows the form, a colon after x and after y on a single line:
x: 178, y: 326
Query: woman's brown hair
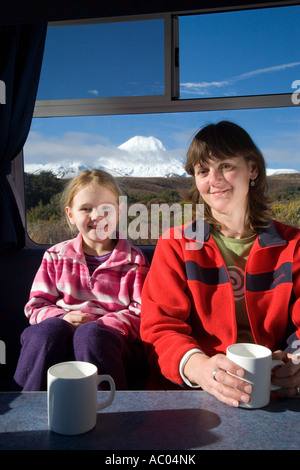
x: 228, y: 140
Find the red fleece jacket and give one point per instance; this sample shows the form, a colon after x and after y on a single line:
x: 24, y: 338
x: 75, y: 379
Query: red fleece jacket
x: 188, y: 302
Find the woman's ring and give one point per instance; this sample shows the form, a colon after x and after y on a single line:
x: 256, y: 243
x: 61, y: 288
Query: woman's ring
x: 297, y: 391
x: 214, y: 374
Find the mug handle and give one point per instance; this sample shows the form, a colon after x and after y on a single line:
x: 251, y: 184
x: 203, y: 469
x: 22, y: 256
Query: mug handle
x: 106, y: 378
x: 275, y: 364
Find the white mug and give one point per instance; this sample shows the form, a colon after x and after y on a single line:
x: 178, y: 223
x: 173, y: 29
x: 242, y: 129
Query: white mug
x: 72, y: 396
x: 257, y: 363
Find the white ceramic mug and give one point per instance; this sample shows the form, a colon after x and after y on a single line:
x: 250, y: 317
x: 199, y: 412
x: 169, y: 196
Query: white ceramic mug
x: 257, y: 363
x: 72, y: 396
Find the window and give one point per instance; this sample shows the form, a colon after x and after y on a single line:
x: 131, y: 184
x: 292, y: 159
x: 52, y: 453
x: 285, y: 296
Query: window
x: 103, y: 60
x: 239, y: 53
x: 137, y: 123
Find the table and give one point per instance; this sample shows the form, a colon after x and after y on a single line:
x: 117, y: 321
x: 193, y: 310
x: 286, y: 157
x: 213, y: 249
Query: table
x: 154, y: 420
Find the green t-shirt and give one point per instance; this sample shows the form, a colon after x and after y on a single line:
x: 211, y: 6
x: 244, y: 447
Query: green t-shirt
x: 235, y: 253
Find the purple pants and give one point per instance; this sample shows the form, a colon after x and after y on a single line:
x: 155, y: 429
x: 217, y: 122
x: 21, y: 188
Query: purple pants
x: 55, y: 340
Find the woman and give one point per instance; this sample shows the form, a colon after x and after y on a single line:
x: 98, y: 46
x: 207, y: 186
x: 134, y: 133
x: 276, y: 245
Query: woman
x: 240, y: 283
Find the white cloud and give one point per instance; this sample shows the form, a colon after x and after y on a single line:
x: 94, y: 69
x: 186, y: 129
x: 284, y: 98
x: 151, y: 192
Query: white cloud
x: 284, y: 151
x: 72, y: 146
x: 95, y: 151
x: 88, y: 148
x: 275, y: 68
x: 78, y: 150
x: 202, y: 88
x: 93, y: 92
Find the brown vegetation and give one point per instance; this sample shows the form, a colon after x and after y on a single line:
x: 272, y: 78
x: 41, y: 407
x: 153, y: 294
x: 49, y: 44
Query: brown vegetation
x: 46, y: 225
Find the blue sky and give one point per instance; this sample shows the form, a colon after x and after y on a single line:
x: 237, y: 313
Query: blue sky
x: 228, y: 54
x: 240, y: 53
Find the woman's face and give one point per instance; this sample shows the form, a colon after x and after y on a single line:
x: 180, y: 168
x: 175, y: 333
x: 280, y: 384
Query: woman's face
x: 224, y: 184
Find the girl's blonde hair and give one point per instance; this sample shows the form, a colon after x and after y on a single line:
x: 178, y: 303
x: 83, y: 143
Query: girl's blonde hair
x: 223, y: 140
x: 85, y: 178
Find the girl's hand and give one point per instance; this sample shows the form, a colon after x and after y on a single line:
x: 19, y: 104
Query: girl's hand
x: 288, y: 376
x: 211, y: 374
x: 77, y: 318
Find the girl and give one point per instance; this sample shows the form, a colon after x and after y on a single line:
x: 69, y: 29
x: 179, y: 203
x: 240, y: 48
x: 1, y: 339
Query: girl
x: 239, y: 283
x: 85, y: 299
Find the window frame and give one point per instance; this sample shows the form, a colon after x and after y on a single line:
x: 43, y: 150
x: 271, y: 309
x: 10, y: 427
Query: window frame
x: 170, y: 102
x: 122, y: 104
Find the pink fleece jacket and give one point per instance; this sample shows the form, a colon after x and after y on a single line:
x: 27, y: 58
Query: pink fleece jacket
x: 112, y: 294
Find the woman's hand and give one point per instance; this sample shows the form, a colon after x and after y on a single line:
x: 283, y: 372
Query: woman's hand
x: 287, y: 377
x: 211, y: 374
x: 77, y: 318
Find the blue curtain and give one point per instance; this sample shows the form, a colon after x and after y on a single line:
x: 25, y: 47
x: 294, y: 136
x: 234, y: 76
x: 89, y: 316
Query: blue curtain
x: 21, y: 54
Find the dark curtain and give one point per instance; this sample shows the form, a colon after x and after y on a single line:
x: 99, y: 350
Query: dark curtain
x: 21, y: 53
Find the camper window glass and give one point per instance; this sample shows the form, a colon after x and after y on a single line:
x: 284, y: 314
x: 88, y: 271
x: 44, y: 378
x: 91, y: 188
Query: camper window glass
x: 146, y: 154
x: 103, y: 60
x: 252, y: 52
x: 128, y: 96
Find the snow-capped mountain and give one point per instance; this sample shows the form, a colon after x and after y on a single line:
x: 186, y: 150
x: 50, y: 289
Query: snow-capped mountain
x: 61, y: 170
x: 138, y: 157
x: 142, y: 144
x: 271, y: 172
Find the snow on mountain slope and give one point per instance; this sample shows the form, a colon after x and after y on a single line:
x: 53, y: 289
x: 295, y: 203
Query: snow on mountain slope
x: 138, y: 157
x: 281, y: 171
x: 142, y: 144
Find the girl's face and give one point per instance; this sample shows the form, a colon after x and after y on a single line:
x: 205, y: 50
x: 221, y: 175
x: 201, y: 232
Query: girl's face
x: 95, y: 213
x: 224, y: 184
